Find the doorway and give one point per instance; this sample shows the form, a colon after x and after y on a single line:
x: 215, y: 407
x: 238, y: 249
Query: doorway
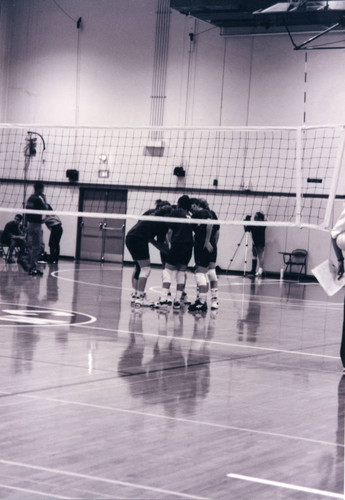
x: 99, y: 238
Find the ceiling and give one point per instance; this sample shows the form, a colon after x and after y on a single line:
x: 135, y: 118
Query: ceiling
x: 262, y: 16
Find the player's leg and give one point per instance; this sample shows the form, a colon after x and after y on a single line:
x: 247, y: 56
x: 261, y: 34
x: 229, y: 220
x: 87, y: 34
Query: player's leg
x: 167, y: 274
x: 180, y: 285
x: 183, y: 256
x: 254, y: 261
x: 135, y: 277
x: 34, y: 236
x: 260, y: 254
x: 145, y: 271
x: 213, y: 279
x: 202, y: 261
x: 139, y: 250
x: 11, y: 248
x: 202, y: 286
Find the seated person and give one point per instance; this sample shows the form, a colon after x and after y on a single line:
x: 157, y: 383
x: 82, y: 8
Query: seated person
x: 13, y: 237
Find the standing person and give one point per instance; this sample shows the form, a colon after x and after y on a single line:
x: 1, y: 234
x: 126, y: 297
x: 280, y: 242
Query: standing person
x: 13, y: 236
x: 259, y: 242
x: 161, y: 240
x: 338, y: 239
x: 212, y: 274
x: 202, y: 254
x: 54, y: 225
x: 137, y: 242
x: 180, y: 240
x: 36, y: 201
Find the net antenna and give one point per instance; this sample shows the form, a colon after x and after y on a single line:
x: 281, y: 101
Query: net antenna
x: 30, y: 152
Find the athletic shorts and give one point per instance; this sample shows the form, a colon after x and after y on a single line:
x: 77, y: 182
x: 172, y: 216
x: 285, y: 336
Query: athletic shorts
x: 179, y: 255
x: 138, y: 248
x: 202, y: 257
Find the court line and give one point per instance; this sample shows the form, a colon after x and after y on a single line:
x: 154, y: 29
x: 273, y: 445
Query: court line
x: 100, y: 479
x: 89, y: 319
x: 182, y: 420
x: 26, y: 490
x: 286, y: 485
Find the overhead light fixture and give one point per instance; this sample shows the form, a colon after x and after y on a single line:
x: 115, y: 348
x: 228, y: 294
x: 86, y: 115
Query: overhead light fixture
x: 103, y: 158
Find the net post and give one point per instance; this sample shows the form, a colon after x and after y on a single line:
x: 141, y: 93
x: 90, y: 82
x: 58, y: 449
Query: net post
x: 299, y: 194
x: 335, y: 179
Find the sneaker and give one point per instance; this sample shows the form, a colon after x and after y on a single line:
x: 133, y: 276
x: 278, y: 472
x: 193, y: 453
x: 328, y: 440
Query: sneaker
x: 214, y: 304
x: 198, y: 307
x: 260, y: 271
x: 169, y: 301
x: 35, y: 272
x: 142, y: 301
x: 176, y: 305
x: 134, y: 296
x: 184, y: 299
x: 162, y: 303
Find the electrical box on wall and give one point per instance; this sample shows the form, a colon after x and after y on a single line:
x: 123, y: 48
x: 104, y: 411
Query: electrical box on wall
x: 103, y: 174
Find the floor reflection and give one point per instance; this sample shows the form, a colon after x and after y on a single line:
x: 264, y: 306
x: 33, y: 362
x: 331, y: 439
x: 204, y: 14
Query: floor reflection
x: 173, y: 370
x: 249, y: 321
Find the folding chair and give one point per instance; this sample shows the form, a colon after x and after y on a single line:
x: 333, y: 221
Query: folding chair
x: 4, y: 249
x: 295, y: 262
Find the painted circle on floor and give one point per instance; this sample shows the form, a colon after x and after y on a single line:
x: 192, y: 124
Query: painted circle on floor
x: 17, y: 314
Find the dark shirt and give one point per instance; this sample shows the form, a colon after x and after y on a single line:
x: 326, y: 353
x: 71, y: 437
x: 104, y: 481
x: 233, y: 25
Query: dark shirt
x: 10, y: 228
x: 148, y: 230
x: 215, y: 229
x: 182, y: 233
x: 200, y: 229
x: 35, y: 202
x: 258, y: 235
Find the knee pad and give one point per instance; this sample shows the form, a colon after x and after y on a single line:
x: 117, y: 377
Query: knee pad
x: 145, y: 272
x: 166, y: 275
x: 201, y: 279
x: 212, y: 275
x: 180, y: 277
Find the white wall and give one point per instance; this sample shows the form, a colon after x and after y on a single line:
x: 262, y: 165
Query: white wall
x: 53, y: 73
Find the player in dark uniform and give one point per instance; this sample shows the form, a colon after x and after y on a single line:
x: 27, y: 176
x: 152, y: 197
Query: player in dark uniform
x: 202, y: 254
x: 212, y: 274
x: 180, y: 239
x: 259, y: 241
x: 161, y: 237
x: 137, y: 242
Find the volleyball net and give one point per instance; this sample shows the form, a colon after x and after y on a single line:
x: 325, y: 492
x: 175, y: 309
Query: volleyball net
x: 290, y: 174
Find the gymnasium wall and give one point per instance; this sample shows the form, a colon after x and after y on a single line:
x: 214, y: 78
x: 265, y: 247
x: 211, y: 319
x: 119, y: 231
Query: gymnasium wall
x: 101, y: 75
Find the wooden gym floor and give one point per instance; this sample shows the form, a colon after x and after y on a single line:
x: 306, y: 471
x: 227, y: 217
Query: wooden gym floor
x: 102, y: 401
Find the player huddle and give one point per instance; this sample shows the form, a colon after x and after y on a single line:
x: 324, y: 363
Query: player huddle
x: 176, y: 242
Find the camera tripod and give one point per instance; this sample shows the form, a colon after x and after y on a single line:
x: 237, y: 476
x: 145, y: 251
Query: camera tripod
x: 245, y: 237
